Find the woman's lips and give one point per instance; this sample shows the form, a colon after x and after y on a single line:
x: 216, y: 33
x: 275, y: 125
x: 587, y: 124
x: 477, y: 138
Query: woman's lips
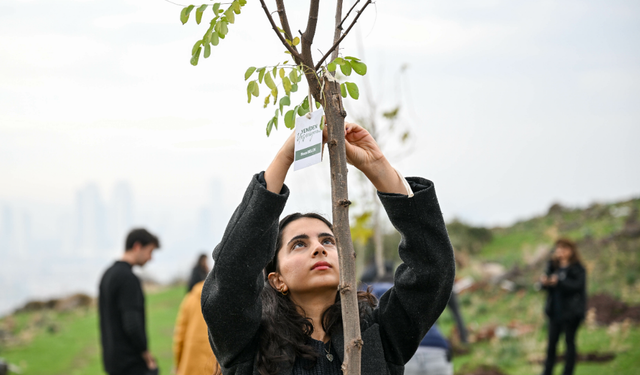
x: 321, y: 266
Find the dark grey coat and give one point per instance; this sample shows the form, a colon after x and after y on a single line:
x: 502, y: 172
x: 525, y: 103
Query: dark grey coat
x: 231, y: 302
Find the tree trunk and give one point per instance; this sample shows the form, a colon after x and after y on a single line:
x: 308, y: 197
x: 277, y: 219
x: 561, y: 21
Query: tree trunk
x: 335, y: 114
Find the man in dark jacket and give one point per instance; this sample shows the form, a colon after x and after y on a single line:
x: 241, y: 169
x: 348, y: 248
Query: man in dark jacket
x: 121, y: 309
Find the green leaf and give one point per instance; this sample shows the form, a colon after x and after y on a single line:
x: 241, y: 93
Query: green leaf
x: 290, y: 119
x: 261, y: 72
x: 351, y: 58
x: 302, y: 111
x: 284, y: 101
x: 195, y: 47
x: 224, y: 29
x: 345, y: 69
x: 296, y: 41
x: 275, y: 120
x: 331, y: 66
x: 287, y: 85
x: 359, y: 67
x: 294, y: 87
x: 266, y: 100
x: 196, y: 57
x: 207, y: 50
x: 275, y: 71
x: 207, y: 35
x: 236, y: 5
x: 214, y: 38
x: 184, y: 15
x: 269, y: 127
x: 274, y: 92
x: 275, y: 97
x: 199, y: 12
x: 256, y: 89
x: 343, y: 90
x: 249, y: 72
x: 321, y: 119
x: 318, y: 105
x: 269, y: 81
x: 339, y: 60
x: 352, y: 88
x: 242, y: 2
x: 230, y: 16
x: 305, y: 103
x: 293, y: 75
x: 281, y: 72
x: 250, y: 90
x: 216, y: 7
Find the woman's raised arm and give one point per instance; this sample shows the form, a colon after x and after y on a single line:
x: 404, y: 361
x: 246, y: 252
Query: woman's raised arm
x: 277, y: 170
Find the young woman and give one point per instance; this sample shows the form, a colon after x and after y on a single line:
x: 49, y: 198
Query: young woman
x: 565, y: 282
x: 271, y: 301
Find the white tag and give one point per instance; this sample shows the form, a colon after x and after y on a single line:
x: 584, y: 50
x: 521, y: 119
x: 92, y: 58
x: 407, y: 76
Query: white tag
x: 308, y: 150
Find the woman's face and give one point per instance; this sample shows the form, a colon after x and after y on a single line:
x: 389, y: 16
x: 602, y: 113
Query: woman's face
x: 563, y: 253
x: 308, y: 258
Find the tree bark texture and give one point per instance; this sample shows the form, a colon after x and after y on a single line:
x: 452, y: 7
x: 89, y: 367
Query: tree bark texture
x: 334, y: 115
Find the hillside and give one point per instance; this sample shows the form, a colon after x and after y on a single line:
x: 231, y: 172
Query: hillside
x: 502, y: 309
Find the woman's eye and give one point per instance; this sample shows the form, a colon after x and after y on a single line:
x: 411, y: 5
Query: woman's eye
x: 327, y: 241
x: 297, y: 245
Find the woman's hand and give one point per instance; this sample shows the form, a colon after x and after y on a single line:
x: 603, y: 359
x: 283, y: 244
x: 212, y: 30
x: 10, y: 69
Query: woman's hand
x: 362, y: 150
x: 363, y: 153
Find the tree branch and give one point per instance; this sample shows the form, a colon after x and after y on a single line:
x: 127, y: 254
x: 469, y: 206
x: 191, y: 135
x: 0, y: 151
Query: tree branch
x: 338, y: 30
x: 347, y: 16
x: 310, y: 32
x: 290, y: 48
x: 337, y: 43
x: 284, y: 20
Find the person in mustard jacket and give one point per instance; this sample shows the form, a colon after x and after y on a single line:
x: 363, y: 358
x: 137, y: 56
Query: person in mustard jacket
x: 192, y: 354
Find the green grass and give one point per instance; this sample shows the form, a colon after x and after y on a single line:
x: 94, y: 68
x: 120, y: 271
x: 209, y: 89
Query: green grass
x: 75, y: 349
x: 516, y: 355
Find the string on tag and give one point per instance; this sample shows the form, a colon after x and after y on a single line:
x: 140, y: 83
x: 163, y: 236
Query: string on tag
x: 310, y: 105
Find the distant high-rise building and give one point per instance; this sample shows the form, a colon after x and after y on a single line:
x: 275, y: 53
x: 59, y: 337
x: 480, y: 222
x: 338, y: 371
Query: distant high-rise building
x: 120, y: 214
x: 90, y: 221
x: 6, y: 230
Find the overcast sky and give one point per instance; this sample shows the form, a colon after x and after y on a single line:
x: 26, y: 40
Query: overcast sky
x: 513, y: 104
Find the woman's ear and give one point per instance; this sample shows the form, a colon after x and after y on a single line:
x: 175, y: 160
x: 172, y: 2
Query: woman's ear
x: 275, y: 279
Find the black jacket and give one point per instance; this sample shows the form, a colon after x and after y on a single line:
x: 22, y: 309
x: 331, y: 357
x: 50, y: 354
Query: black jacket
x: 571, y: 292
x: 122, y: 320
x: 231, y: 301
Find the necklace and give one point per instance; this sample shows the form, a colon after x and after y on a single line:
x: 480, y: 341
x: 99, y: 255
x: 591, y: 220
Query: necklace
x: 328, y: 352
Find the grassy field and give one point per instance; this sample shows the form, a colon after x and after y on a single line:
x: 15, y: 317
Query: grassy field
x: 52, y: 343
x: 68, y: 343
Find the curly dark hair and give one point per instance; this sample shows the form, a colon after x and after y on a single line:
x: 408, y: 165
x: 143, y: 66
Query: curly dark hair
x: 283, y: 330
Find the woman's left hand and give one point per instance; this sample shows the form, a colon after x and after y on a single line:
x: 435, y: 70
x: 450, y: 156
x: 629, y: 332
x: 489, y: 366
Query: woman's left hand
x: 362, y: 150
x: 364, y: 153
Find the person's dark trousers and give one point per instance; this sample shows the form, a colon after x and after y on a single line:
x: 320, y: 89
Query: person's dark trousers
x: 457, y: 315
x: 139, y: 370
x: 556, y: 328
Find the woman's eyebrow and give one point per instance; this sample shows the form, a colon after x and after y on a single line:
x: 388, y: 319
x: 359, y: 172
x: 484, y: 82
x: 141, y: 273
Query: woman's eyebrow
x: 326, y: 235
x: 298, y: 237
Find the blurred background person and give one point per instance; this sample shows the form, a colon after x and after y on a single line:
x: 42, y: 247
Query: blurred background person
x: 192, y: 354
x: 122, y: 310
x: 565, y: 282
x: 433, y: 356
x: 199, y: 272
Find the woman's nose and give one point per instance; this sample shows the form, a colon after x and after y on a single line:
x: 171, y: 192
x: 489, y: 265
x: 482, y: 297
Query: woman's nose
x: 319, y: 249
